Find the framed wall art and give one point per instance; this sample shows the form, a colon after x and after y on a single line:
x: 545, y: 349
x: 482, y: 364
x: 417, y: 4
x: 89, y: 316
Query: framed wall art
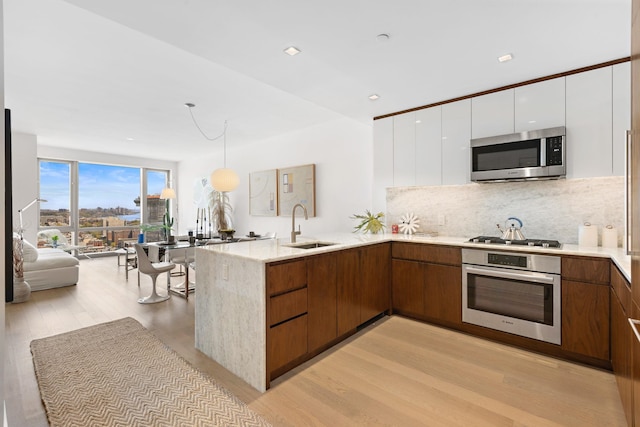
x: 297, y: 185
x: 263, y: 193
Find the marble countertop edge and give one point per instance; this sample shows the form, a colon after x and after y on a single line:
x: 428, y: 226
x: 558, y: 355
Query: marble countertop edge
x: 273, y: 250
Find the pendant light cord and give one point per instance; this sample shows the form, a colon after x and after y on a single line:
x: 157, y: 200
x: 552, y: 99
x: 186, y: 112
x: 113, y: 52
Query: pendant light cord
x: 223, y: 134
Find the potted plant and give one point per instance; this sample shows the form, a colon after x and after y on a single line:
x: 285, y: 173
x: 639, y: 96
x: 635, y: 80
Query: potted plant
x: 54, y: 240
x: 222, y: 215
x: 167, y: 224
x: 369, y: 223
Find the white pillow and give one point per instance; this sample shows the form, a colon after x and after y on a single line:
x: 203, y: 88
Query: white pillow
x: 29, y: 252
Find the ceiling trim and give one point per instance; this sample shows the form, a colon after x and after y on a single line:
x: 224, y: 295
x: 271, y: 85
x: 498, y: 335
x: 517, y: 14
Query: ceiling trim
x: 511, y: 86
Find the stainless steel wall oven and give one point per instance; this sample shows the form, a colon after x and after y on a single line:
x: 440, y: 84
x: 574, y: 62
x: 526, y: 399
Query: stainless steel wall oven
x: 513, y: 292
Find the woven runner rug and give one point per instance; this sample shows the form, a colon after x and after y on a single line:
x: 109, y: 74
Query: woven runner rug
x: 119, y: 374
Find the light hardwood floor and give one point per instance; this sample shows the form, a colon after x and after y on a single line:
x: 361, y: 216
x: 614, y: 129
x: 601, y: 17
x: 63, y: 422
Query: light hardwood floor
x: 395, y: 372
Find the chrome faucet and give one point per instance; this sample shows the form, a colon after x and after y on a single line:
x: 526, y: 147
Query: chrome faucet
x: 294, y: 233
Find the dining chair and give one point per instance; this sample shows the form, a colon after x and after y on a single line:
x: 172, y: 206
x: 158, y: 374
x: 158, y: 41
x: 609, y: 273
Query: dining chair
x: 185, y: 257
x: 153, y: 270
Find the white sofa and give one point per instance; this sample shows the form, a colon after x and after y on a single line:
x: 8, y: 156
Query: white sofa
x: 48, y: 268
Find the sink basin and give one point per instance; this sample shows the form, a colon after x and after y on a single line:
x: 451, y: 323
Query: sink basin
x: 309, y: 245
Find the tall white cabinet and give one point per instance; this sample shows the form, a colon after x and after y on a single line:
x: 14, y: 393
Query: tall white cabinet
x: 492, y: 114
x: 456, y: 132
x: 382, y: 162
x: 404, y: 143
x: 428, y: 153
x: 539, y: 105
x: 589, y: 123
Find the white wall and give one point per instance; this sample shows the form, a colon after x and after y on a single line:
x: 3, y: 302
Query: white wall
x: 48, y: 152
x: 24, y: 171
x: 342, y: 152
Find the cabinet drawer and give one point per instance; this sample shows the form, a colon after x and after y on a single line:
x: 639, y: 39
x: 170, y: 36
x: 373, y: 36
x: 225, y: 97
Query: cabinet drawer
x: 428, y: 253
x: 286, y: 276
x: 581, y: 269
x: 622, y: 289
x: 287, y: 342
x: 287, y: 306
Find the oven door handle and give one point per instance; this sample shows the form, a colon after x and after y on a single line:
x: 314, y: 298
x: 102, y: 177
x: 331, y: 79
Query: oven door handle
x: 530, y: 277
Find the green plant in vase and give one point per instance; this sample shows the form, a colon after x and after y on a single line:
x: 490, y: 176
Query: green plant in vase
x: 167, y: 222
x: 54, y: 241
x: 369, y: 223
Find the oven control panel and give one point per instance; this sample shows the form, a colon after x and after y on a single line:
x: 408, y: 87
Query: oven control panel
x: 512, y: 260
x: 507, y: 260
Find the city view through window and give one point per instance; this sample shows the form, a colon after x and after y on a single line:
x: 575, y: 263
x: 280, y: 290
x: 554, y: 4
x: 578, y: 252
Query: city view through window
x: 101, y: 210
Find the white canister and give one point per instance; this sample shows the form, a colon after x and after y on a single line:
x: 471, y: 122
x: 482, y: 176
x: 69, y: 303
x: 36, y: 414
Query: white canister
x: 609, y: 237
x: 588, y: 235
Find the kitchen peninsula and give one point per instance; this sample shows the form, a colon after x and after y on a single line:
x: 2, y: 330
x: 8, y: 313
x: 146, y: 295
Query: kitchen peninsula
x: 239, y: 302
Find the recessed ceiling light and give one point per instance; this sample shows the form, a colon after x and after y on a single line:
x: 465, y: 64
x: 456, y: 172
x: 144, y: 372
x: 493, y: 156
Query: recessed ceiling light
x: 532, y: 121
x: 505, y: 58
x: 383, y: 37
x: 418, y: 121
x: 292, y: 51
x: 374, y: 96
x: 130, y: 139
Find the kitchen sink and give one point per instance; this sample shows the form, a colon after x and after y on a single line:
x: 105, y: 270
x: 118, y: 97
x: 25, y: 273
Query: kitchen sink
x: 309, y: 245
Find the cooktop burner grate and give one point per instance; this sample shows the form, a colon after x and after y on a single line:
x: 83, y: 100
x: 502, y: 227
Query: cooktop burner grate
x: 526, y: 242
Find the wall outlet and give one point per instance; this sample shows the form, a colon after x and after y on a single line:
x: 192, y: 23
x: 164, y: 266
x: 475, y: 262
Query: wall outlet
x: 441, y: 219
x: 225, y: 271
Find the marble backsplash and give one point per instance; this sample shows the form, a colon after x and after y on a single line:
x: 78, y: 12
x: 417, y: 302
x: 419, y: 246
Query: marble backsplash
x: 548, y: 209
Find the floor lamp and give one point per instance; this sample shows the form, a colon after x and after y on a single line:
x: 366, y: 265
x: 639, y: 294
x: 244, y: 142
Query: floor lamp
x: 31, y: 203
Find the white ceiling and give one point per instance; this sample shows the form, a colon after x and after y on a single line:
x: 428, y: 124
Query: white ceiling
x: 89, y: 74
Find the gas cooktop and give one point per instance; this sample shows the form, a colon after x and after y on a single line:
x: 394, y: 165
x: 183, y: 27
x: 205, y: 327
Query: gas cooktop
x: 526, y: 242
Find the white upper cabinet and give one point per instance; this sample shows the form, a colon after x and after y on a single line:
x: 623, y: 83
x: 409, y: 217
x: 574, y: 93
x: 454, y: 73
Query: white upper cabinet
x: 404, y: 150
x: 589, y: 123
x: 429, y: 146
x: 456, y: 133
x: 382, y: 162
x: 621, y: 114
x: 540, y: 105
x: 492, y: 114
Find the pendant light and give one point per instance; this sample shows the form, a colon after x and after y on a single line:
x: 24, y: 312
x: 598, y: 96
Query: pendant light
x: 224, y: 179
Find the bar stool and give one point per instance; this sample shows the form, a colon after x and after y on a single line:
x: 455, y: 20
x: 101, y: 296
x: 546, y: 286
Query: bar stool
x: 185, y: 257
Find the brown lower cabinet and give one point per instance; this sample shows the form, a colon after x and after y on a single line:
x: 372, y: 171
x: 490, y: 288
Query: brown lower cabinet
x: 316, y: 301
x: 635, y: 369
x: 363, y: 285
x: 585, y: 319
x: 427, y: 290
x: 286, y: 313
x: 322, y: 297
x: 407, y: 287
x: 622, y: 340
x: 586, y: 306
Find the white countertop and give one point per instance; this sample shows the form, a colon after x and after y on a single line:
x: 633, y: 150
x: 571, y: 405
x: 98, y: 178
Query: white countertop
x: 271, y: 250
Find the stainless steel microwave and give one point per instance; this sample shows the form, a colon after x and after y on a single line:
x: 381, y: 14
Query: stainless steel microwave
x: 539, y: 154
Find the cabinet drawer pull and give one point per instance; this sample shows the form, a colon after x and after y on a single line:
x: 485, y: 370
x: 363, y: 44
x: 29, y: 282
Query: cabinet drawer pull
x: 633, y: 323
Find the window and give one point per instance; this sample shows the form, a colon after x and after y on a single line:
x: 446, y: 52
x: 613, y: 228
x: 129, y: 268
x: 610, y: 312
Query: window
x: 101, y: 209
x: 55, y: 188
